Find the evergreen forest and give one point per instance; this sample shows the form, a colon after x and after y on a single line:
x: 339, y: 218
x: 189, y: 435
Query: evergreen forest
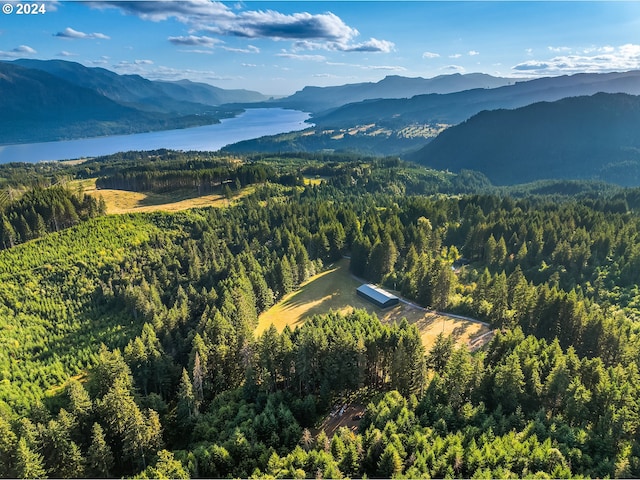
x: 128, y: 344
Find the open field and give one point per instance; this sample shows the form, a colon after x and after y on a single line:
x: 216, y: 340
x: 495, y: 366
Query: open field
x: 122, y: 201
x: 335, y: 289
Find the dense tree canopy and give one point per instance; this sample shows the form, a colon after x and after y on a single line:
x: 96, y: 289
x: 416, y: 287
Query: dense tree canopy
x: 129, y: 346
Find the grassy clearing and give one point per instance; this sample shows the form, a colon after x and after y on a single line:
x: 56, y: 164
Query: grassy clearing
x: 317, y: 180
x: 335, y: 289
x: 122, y: 201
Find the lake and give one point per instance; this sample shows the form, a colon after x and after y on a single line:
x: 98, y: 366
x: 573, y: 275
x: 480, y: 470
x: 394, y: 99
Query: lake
x: 253, y: 123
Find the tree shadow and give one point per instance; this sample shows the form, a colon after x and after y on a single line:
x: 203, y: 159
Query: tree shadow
x: 153, y: 199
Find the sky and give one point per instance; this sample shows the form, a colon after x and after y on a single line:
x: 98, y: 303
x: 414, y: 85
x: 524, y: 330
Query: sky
x: 277, y: 48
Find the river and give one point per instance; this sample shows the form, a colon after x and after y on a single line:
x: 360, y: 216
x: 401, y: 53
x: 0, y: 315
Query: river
x: 253, y: 123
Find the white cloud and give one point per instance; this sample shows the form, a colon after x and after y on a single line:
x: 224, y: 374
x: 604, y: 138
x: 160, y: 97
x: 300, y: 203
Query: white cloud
x: 455, y: 55
x: 194, y: 41
x: 198, y: 51
x: 276, y: 25
x: 104, y: 60
x: 605, y: 49
x: 310, y: 31
x: 371, y: 45
x: 324, y: 75
x: 454, y: 68
x: 603, y: 59
x: 169, y: 74
x: 52, y: 5
x: 64, y: 53
x: 393, y: 68
x: 430, y: 55
x: 70, y: 33
x: 296, y: 56
x: 218, y: 18
x: 473, y: 53
x: 532, y: 65
x: 559, y: 49
x: 186, y: 11
x: 249, y: 49
x: 143, y: 62
x: 21, y: 51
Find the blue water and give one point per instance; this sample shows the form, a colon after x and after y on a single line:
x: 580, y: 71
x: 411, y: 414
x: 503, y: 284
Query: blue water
x: 253, y: 123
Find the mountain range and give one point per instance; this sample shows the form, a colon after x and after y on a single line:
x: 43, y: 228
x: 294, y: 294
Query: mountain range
x: 593, y: 137
x: 54, y: 100
x: 183, y: 96
x: 318, y: 99
x: 456, y: 107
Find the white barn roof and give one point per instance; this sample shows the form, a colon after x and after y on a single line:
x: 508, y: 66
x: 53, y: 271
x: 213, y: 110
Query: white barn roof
x: 376, y: 293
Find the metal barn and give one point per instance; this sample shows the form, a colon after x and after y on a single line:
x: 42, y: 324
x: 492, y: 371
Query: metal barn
x: 377, y: 295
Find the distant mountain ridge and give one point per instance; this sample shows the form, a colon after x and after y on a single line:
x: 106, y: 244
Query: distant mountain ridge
x: 456, y: 107
x: 182, y: 96
x: 589, y: 137
x: 317, y: 99
x: 34, y: 102
x: 58, y: 100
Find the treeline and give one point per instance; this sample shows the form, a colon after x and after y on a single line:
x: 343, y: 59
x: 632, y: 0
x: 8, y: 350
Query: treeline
x: 205, y: 181
x: 391, y: 142
x: 16, y: 175
x: 251, y: 255
x: 43, y: 210
x: 167, y: 169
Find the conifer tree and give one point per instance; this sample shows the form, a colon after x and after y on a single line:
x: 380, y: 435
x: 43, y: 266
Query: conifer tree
x: 99, y: 456
x: 185, y: 409
x: 29, y: 464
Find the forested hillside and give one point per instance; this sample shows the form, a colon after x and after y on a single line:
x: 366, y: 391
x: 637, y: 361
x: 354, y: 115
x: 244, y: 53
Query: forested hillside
x: 575, y: 138
x: 78, y: 102
x: 128, y: 345
x: 181, y: 96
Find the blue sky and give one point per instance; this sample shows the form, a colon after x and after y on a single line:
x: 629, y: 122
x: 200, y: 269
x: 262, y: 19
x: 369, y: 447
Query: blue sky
x: 279, y: 47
